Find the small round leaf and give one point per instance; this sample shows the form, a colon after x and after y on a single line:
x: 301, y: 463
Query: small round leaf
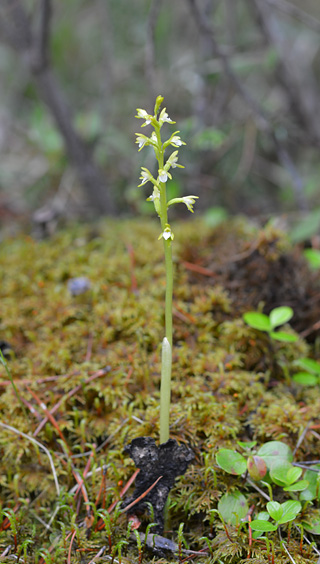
x: 274, y: 453
x: 231, y: 461
x: 283, y: 337
x: 297, y: 487
x: 305, y: 379
x: 290, y: 510
x: 280, y: 315
x: 262, y: 526
x: 233, y: 507
x: 257, y: 320
x: 309, y: 364
x: 275, y: 510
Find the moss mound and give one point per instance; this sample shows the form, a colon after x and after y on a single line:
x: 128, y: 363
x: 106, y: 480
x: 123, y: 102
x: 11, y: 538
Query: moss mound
x: 86, y: 368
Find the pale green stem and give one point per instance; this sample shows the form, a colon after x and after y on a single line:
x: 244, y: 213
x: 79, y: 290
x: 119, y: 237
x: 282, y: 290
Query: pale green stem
x: 165, y: 388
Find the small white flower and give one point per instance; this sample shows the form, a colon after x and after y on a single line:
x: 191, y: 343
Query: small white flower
x: 141, y: 140
x: 164, y: 117
x: 176, y: 141
x: 145, y: 177
x: 167, y: 234
x: 189, y: 201
x: 173, y: 160
x: 142, y: 114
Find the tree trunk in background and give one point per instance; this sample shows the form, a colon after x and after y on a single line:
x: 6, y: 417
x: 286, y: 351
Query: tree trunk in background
x: 33, y: 47
x: 297, y: 79
x: 89, y: 174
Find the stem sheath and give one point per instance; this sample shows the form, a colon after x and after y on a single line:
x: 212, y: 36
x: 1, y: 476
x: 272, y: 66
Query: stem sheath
x: 165, y: 390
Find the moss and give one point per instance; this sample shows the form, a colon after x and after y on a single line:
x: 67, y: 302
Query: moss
x: 230, y: 383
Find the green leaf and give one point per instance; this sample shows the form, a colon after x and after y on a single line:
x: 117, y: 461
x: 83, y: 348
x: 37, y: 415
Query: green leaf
x: 305, y: 379
x: 231, y: 461
x: 313, y: 257
x: 293, y: 474
x: 247, y: 445
x: 233, y: 507
x: 313, y: 489
x: 275, y: 510
x: 274, y: 453
x: 284, y: 337
x: 264, y: 515
x: 297, y: 486
x: 262, y: 526
x: 280, y: 315
x: 290, y: 511
x: 312, y: 524
x: 257, y: 320
x: 309, y: 364
x: 279, y: 473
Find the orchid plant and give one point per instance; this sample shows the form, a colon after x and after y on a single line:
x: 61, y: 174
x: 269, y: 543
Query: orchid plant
x: 159, y: 199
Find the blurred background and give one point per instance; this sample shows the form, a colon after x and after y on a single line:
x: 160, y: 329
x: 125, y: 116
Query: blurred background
x: 240, y: 77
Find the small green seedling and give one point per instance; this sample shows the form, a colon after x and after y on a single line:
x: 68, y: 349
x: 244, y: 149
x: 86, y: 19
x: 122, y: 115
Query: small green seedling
x: 159, y: 199
x: 271, y: 463
x: 274, y: 457
x: 281, y: 513
x: 268, y: 323
x: 310, y: 374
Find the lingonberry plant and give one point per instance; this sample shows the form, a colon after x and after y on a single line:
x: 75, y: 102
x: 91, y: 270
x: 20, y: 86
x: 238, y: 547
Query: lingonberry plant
x: 159, y: 199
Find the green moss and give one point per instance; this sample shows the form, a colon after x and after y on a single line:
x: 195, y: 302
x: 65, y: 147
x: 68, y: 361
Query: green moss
x: 229, y: 382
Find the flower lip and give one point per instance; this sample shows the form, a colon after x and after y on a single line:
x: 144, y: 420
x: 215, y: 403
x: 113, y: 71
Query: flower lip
x: 163, y: 175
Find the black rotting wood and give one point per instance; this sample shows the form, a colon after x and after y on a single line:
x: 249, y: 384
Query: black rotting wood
x: 168, y: 460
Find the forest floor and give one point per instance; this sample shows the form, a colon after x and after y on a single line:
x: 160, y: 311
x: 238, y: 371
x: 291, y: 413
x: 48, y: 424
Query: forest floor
x: 81, y: 380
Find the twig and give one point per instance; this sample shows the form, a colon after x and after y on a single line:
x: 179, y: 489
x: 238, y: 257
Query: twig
x: 311, y: 329
x: 203, y: 25
x: 296, y: 12
x: 51, y: 419
x: 102, y: 486
x: 134, y: 502
x: 302, y: 437
x: 285, y: 548
x: 100, y: 524
x: 40, y: 45
x: 98, y: 555
x: 40, y: 446
x: 70, y: 547
x: 261, y: 492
